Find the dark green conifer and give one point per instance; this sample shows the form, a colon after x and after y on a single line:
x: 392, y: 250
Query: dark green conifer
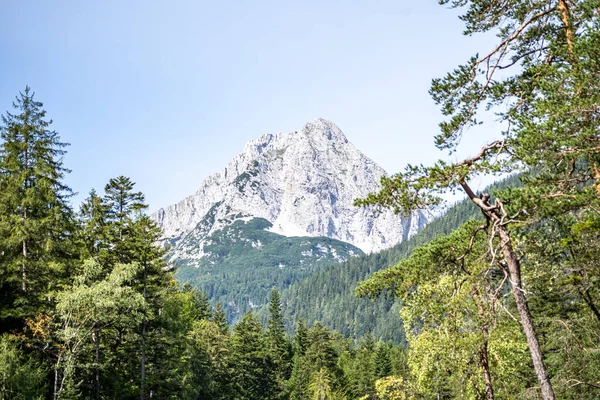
x: 220, y: 319
x: 36, y: 222
x: 251, y: 361
x: 383, y: 361
x: 93, y: 215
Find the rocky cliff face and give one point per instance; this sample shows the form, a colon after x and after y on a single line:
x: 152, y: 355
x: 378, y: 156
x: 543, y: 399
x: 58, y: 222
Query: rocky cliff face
x: 303, y: 182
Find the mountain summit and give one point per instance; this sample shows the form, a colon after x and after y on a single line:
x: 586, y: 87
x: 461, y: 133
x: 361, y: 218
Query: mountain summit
x: 304, y: 183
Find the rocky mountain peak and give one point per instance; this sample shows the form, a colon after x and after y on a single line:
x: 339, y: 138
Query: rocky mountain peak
x: 323, y: 128
x: 304, y: 183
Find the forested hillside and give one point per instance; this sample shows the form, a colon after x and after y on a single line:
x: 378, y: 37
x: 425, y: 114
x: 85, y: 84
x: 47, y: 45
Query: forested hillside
x: 244, y: 261
x: 328, y: 295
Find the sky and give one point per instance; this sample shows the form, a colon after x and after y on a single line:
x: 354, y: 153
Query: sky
x: 168, y: 92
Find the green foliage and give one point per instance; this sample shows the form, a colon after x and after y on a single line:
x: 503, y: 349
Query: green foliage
x: 21, y: 377
x: 94, y: 313
x: 452, y: 300
x: 546, y: 99
x: 328, y: 294
x: 35, y: 219
x: 279, y: 345
x: 252, y: 363
x: 244, y: 262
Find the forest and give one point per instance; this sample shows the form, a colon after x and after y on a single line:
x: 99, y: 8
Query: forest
x: 500, y: 300
x: 90, y: 309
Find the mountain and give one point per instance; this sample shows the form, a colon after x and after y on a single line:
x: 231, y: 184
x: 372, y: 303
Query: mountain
x: 303, y: 182
x: 279, y: 211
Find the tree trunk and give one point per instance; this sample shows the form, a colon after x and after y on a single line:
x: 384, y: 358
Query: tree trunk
x: 55, y: 391
x: 97, y: 360
x: 485, y: 367
x: 483, y: 351
x: 26, y: 184
x: 589, y: 301
x: 24, y: 266
x: 143, y: 371
x: 565, y: 16
x: 514, y: 269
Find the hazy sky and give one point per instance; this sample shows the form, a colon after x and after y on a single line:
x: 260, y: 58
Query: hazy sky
x: 167, y: 92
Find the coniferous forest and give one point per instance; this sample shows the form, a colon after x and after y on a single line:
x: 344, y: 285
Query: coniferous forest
x: 498, y: 298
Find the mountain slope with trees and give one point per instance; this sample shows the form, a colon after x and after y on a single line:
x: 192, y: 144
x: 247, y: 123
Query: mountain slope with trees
x: 328, y: 296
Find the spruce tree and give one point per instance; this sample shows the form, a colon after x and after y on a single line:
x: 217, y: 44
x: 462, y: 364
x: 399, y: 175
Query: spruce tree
x: 278, y: 342
x: 220, y: 319
x: 383, y: 361
x: 251, y: 361
x: 93, y: 216
x: 279, y: 345
x: 36, y: 222
x: 123, y: 206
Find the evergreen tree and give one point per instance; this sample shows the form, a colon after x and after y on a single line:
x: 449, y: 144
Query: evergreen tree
x: 301, y: 338
x: 123, y: 206
x: 547, y: 97
x: 362, y: 374
x: 220, y: 319
x: 279, y: 345
x: 93, y: 220
x: 36, y: 222
x: 21, y: 378
x: 251, y: 361
x: 383, y: 361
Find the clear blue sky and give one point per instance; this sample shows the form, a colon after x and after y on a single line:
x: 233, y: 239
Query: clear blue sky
x: 167, y: 92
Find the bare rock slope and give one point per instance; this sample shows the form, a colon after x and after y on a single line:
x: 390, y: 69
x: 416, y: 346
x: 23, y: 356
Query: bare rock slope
x: 303, y: 182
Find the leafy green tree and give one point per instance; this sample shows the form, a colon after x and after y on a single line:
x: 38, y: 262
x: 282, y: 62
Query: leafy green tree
x: 392, y: 388
x: 452, y: 297
x: 36, y: 223
x: 110, y: 304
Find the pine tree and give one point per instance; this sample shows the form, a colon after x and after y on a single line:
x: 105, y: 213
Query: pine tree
x: 36, y: 222
x: 541, y: 82
x: 301, y: 338
x: 21, y: 378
